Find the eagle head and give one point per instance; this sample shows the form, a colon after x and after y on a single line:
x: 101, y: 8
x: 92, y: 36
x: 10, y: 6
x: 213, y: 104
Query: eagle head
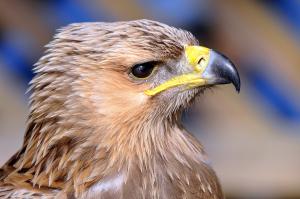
x: 127, y: 70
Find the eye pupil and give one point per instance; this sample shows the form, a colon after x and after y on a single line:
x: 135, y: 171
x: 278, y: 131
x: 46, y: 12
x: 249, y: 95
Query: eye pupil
x: 142, y: 70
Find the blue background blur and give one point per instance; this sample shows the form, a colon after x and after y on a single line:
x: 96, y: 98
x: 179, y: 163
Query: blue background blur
x: 253, y: 139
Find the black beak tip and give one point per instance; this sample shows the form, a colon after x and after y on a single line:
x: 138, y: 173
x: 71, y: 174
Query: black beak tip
x: 230, y: 77
x: 235, y: 80
x: 237, y: 87
x: 230, y: 73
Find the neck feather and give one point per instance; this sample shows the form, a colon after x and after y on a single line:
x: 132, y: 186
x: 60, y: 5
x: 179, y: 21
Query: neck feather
x: 59, y: 155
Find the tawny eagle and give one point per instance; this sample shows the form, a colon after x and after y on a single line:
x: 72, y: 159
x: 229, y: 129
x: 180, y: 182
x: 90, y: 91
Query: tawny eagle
x: 105, y: 111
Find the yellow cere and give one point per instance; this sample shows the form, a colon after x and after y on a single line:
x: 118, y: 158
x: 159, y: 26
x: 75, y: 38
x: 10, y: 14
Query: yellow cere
x: 198, y: 58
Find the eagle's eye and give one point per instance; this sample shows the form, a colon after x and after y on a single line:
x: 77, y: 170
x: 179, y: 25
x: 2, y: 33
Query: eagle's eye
x: 143, y: 70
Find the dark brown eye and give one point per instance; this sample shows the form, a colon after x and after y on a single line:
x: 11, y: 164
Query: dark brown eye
x: 142, y: 70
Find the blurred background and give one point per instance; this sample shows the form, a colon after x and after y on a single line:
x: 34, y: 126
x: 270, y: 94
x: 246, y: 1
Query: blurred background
x: 253, y: 138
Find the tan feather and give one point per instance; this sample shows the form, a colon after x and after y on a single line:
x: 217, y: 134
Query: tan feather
x: 91, y: 131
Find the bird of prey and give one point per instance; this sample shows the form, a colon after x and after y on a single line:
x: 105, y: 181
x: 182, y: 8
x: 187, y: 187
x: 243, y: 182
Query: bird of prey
x: 105, y: 110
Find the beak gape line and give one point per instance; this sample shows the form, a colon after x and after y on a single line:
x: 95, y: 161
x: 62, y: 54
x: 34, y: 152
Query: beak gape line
x: 209, y: 68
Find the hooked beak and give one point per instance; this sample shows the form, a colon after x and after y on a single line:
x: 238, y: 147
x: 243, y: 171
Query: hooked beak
x: 220, y: 70
x: 208, y: 68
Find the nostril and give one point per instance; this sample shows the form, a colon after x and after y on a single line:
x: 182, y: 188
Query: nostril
x: 201, y: 62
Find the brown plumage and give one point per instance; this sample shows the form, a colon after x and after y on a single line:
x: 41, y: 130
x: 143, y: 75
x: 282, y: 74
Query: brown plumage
x: 92, y: 132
